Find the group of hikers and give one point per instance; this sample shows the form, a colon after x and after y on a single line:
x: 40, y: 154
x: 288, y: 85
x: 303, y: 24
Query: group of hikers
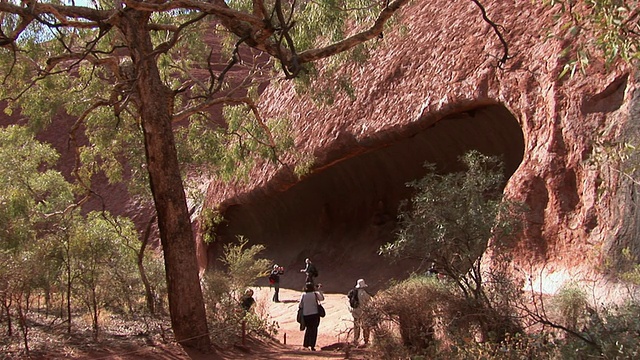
x: 310, y: 308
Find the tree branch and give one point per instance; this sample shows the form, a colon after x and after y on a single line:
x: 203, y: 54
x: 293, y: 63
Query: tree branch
x: 374, y: 31
x: 166, y: 46
x: 496, y: 29
x: 223, y: 11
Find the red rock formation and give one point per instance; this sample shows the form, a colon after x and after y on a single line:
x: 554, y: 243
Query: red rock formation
x: 430, y: 91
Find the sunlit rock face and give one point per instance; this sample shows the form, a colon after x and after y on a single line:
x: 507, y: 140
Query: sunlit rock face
x: 431, y: 91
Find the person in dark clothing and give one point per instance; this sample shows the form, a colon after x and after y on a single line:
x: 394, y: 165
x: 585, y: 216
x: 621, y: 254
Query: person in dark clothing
x: 274, y: 280
x: 310, y: 270
x: 432, y: 270
x: 309, y: 306
x: 247, y: 300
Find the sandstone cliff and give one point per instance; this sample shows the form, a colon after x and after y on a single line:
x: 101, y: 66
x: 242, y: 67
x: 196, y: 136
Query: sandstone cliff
x: 430, y: 91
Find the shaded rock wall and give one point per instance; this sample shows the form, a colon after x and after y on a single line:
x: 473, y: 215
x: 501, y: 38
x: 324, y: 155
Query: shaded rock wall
x: 340, y: 215
x: 430, y: 91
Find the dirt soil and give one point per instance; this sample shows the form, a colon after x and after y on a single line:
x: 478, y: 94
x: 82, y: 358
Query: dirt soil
x: 125, y: 342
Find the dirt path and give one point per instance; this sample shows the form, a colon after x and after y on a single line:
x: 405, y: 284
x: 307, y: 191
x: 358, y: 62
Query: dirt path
x: 332, y: 333
x: 333, y: 327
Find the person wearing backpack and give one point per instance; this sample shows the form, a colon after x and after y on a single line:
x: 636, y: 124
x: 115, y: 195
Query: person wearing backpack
x: 310, y: 270
x: 358, y: 298
x: 274, y: 280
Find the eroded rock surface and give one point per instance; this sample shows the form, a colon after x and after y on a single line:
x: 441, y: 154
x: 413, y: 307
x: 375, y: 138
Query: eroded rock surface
x: 431, y: 91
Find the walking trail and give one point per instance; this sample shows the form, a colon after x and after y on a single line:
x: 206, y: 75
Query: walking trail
x: 332, y: 333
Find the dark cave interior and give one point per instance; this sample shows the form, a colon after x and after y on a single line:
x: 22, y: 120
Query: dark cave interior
x: 341, y: 215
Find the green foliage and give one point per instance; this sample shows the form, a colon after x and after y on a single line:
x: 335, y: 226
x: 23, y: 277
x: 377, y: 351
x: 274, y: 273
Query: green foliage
x: 210, y: 219
x: 610, y: 332
x: 31, y: 190
x: 230, y: 152
x: 452, y: 216
x: 449, y: 223
x: 631, y: 276
x: 114, y: 142
x: 598, y: 29
x: 102, y: 264
x: 243, y: 266
x: 223, y: 289
x: 572, y: 305
x: 517, y: 347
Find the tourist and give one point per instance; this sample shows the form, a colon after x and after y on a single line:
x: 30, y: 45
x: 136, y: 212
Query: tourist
x: 247, y: 300
x: 310, y: 270
x: 358, y: 298
x: 274, y: 280
x: 309, y: 302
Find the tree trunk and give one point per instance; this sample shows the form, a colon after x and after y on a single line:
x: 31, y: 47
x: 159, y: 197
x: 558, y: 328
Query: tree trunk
x: 143, y: 274
x: 95, y: 314
x: 22, y: 319
x: 68, y: 295
x: 6, y: 306
x: 154, y: 99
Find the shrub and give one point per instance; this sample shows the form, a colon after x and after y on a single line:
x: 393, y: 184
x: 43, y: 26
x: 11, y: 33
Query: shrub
x: 612, y: 332
x: 413, y: 308
x: 571, y: 304
x: 451, y: 222
x: 518, y: 347
x: 428, y: 316
x: 222, y: 290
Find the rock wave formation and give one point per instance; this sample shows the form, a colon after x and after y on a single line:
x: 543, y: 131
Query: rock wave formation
x: 431, y: 91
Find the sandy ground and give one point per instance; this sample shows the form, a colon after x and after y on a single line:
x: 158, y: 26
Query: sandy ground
x: 334, y: 328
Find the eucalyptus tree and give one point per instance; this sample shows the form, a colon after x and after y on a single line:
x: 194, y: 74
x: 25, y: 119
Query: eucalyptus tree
x: 32, y: 194
x: 130, y: 71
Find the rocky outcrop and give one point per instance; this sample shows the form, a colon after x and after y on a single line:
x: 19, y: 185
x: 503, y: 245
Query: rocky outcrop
x: 430, y: 91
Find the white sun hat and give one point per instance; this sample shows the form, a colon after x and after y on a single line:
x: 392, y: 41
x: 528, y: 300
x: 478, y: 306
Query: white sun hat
x: 361, y: 284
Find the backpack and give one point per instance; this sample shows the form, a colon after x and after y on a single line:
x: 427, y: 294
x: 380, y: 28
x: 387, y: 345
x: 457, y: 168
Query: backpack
x: 353, y: 298
x: 313, y: 271
x: 272, y: 278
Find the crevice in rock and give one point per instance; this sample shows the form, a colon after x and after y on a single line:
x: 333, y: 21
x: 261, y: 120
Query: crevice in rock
x: 608, y: 100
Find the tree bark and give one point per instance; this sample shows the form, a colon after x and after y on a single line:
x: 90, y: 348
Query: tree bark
x: 155, y: 101
x: 149, y: 294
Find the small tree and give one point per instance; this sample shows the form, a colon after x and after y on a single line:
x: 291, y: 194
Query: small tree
x: 223, y: 288
x: 243, y: 266
x: 99, y: 259
x: 449, y: 223
x: 32, y: 196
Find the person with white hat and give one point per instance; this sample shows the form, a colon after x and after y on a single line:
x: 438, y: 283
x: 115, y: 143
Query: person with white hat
x: 359, y: 297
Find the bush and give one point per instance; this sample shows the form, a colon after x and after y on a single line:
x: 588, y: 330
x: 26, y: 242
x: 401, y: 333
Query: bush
x: 412, y: 308
x: 612, y: 332
x: 451, y: 222
x: 571, y: 304
x: 222, y: 290
x: 431, y: 317
x: 518, y: 347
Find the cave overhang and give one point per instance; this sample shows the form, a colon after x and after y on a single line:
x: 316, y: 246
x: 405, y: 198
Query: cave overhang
x: 340, y: 214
